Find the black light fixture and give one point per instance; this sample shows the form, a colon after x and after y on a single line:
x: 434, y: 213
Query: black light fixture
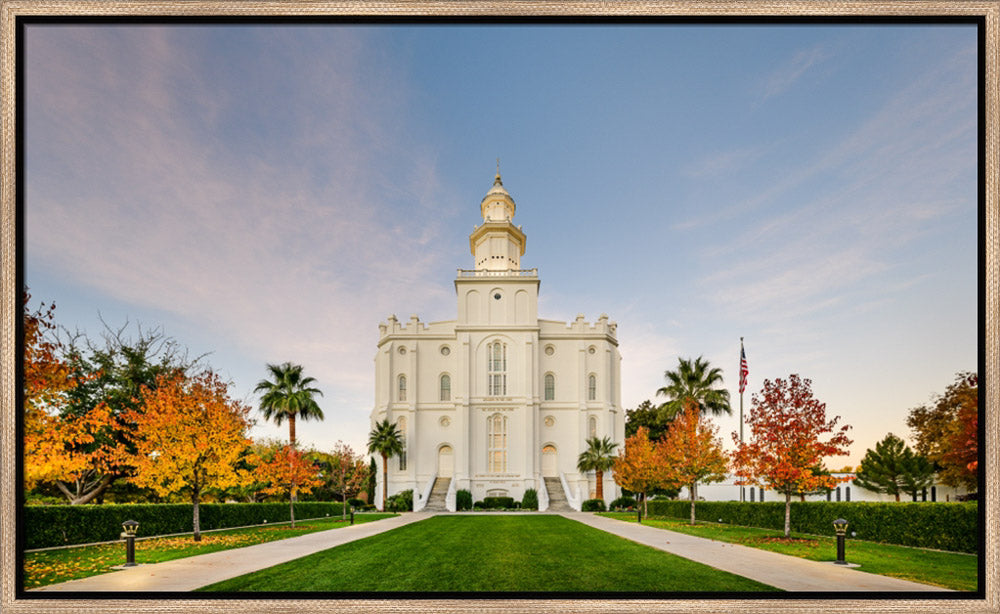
x: 130, y: 527
x: 840, y: 526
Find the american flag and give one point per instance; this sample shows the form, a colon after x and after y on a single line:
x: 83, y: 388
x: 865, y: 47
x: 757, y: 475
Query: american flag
x: 744, y: 371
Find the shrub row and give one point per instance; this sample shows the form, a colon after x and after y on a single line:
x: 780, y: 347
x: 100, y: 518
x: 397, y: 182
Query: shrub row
x: 592, y: 505
x: 400, y: 502
x: 943, y: 526
x: 61, y: 525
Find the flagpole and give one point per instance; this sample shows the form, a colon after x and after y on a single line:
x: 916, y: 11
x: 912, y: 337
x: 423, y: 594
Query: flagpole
x: 742, y: 487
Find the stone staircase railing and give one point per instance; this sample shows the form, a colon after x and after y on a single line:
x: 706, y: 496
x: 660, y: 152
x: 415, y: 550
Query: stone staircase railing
x: 574, y: 502
x: 421, y: 501
x: 449, y: 498
x: 543, y: 495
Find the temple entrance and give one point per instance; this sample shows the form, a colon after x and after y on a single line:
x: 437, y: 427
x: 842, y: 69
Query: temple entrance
x: 550, y: 468
x: 446, y: 462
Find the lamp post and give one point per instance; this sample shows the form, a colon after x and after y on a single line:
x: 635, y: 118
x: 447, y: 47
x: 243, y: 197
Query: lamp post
x: 130, y: 527
x: 840, y: 526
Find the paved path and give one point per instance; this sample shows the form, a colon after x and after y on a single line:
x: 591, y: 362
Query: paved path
x: 778, y: 570
x: 196, y: 571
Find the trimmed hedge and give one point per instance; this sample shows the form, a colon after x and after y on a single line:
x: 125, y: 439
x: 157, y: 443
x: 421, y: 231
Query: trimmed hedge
x: 592, y: 505
x: 63, y: 525
x: 942, y: 526
x: 498, y: 503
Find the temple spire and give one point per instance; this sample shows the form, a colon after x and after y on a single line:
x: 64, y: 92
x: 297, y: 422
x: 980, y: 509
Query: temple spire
x: 497, y: 180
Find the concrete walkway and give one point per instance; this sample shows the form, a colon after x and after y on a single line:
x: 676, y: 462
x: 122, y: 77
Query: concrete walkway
x: 778, y: 570
x: 196, y: 571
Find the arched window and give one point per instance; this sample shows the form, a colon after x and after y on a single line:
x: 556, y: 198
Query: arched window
x: 550, y: 387
x: 497, y: 369
x: 401, y: 425
x: 445, y: 387
x: 592, y: 387
x: 496, y: 443
x: 402, y: 388
x: 592, y: 426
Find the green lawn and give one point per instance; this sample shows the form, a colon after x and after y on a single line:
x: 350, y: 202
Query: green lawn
x: 954, y: 570
x: 52, y: 566
x: 491, y: 553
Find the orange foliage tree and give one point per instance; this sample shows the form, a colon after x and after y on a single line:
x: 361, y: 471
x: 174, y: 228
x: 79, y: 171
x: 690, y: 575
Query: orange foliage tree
x: 785, y: 451
x: 691, y: 453
x: 947, y: 432
x: 189, y: 434
x: 638, y: 467
x: 289, y: 471
x: 56, y: 446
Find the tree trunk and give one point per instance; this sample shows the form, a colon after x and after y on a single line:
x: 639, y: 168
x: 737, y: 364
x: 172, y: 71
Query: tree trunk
x: 343, y: 505
x: 291, y: 507
x: 645, y: 505
x: 195, y: 500
x: 600, y: 485
x: 79, y: 498
x: 788, y: 514
x: 897, y: 497
x: 694, y: 497
x: 385, y: 480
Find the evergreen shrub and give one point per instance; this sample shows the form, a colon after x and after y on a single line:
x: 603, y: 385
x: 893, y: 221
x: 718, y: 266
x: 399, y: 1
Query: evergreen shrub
x: 498, y: 503
x: 623, y: 502
x: 478, y: 505
x: 463, y: 500
x: 400, y: 502
x: 593, y: 505
x: 63, y: 525
x: 942, y: 526
x: 530, y: 499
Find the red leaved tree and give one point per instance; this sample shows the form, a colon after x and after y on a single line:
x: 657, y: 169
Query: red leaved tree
x: 289, y: 471
x: 638, y: 467
x: 691, y: 453
x: 786, y: 446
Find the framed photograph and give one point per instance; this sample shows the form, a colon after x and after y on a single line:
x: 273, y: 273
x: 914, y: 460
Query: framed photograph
x: 275, y: 333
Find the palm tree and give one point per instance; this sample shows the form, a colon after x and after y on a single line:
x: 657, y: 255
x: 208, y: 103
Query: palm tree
x: 598, y: 457
x: 288, y: 396
x: 696, y: 382
x: 385, y: 439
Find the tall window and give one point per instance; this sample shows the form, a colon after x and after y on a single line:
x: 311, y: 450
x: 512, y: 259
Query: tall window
x: 401, y: 424
x: 593, y: 426
x: 497, y: 372
x: 496, y: 443
x: 592, y: 387
x: 445, y: 387
x: 402, y: 388
x: 550, y: 387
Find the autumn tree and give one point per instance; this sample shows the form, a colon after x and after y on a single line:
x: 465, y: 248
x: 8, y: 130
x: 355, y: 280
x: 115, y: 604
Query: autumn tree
x: 189, y: 435
x: 109, y: 377
x: 946, y: 432
x: 787, y: 429
x: 892, y: 468
x: 638, y: 467
x: 344, y: 472
x: 690, y: 453
x: 58, y: 445
x: 289, y: 471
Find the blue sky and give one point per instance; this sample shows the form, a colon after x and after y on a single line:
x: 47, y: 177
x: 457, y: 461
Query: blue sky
x: 273, y: 193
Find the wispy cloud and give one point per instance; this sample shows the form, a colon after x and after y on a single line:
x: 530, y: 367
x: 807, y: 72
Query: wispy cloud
x: 784, y: 77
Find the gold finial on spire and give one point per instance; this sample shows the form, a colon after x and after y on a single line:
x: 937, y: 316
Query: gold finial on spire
x: 496, y: 180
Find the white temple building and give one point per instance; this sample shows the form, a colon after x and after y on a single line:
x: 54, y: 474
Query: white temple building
x: 497, y: 401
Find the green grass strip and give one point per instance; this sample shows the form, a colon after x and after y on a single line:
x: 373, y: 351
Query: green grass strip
x: 494, y: 554
x: 52, y: 566
x: 954, y: 570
